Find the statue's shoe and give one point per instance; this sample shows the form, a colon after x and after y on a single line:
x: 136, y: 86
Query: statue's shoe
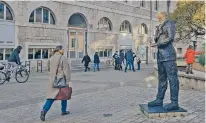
x: 157, y: 102
x: 171, y: 106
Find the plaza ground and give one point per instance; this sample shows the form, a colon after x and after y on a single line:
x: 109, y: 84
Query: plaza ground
x: 95, y: 94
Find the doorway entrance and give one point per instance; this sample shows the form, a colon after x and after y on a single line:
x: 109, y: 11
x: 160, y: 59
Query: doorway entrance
x: 76, y: 44
x: 77, y: 25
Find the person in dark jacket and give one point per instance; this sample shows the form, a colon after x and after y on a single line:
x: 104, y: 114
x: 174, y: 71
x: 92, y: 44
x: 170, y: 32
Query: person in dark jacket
x: 14, y: 57
x: 96, y: 61
x: 86, y: 59
x: 121, y: 59
x: 13, y: 61
x: 115, y: 56
x: 129, y: 59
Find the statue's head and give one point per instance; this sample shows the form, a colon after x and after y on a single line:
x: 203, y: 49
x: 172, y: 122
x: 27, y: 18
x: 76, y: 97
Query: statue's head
x: 162, y: 16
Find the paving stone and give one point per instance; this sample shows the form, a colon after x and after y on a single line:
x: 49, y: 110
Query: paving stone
x: 95, y: 94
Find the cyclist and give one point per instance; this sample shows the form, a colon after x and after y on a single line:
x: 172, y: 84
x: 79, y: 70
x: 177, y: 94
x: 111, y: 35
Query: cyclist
x: 14, y: 60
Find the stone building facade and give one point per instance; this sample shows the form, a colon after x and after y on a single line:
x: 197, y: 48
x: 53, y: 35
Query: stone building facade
x: 80, y: 26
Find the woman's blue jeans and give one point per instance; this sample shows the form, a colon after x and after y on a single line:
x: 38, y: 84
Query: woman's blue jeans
x: 49, y: 103
x: 138, y: 66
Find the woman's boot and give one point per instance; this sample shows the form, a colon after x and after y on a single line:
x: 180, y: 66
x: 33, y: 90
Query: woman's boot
x: 42, y: 116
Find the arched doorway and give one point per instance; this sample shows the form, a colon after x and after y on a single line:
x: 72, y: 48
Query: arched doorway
x: 77, y: 26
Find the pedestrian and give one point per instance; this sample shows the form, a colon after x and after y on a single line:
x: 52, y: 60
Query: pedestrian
x: 115, y: 56
x: 121, y: 59
x: 119, y: 64
x: 138, y: 63
x: 96, y: 61
x: 59, y: 67
x: 86, y: 59
x: 129, y: 60
x: 14, y: 61
x: 190, y: 58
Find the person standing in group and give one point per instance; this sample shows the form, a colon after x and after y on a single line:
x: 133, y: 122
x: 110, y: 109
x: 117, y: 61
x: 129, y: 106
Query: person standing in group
x: 121, y: 59
x: 138, y: 63
x: 190, y: 58
x: 59, y: 66
x: 96, y: 61
x: 129, y: 60
x: 86, y: 59
x: 115, y: 56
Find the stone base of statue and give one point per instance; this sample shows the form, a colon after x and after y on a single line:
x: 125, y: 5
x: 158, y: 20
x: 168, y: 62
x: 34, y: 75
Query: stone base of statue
x: 160, y: 112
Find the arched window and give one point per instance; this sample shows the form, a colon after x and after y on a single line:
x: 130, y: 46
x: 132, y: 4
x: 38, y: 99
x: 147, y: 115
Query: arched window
x: 77, y: 20
x: 104, y: 24
x: 125, y: 27
x: 143, y: 29
x: 42, y: 15
x: 5, y: 12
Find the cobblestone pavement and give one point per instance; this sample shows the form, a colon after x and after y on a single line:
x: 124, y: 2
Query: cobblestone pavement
x: 95, y: 94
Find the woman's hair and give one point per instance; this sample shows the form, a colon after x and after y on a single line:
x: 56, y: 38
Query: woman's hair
x: 56, y: 49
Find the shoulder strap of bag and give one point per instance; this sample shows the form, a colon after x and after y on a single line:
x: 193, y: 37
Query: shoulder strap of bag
x: 58, y: 65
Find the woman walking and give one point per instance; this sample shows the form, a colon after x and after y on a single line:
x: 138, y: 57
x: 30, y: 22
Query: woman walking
x: 59, y: 67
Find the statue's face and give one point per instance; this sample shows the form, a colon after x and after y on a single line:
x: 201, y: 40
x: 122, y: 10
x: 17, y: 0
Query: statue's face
x: 160, y: 17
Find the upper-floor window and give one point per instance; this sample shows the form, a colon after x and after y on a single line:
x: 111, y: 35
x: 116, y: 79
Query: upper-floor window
x: 5, y: 12
x: 42, y: 15
x: 156, y: 5
x: 143, y: 29
x: 125, y: 27
x: 142, y: 3
x: 104, y: 24
x: 77, y: 20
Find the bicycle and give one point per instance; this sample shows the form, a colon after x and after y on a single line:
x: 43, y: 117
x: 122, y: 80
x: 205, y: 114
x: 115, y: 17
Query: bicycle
x: 110, y: 61
x: 6, y: 74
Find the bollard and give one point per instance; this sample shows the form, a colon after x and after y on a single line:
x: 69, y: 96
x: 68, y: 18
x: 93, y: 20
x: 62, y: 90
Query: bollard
x: 48, y: 65
x: 28, y: 64
x: 39, y: 64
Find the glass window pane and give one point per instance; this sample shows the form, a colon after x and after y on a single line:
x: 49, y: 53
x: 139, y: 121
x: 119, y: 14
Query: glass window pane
x: 30, y: 54
x: 73, y: 42
x: 45, y: 16
x: 31, y: 18
x: 45, y: 54
x: 109, y: 52
x: 52, y: 19
x: 105, y: 53
x: 8, y: 14
x: 1, y: 54
x: 1, y: 10
x: 101, y: 53
x: 8, y: 53
x: 37, y: 54
x: 39, y: 15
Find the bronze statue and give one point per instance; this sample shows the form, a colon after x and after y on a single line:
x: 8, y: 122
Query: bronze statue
x: 166, y: 62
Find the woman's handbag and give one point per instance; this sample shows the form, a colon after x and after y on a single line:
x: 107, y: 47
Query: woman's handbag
x: 64, y: 93
x: 59, y: 82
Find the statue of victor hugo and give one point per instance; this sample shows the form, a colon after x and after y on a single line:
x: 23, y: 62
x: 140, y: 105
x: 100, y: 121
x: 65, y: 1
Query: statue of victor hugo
x: 166, y: 62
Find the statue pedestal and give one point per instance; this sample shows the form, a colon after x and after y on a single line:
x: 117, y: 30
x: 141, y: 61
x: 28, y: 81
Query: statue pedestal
x: 160, y: 112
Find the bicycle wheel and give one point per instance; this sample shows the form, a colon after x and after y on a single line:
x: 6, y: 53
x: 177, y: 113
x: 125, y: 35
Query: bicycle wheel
x: 108, y: 62
x: 22, y: 76
x: 113, y: 63
x: 2, y: 77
